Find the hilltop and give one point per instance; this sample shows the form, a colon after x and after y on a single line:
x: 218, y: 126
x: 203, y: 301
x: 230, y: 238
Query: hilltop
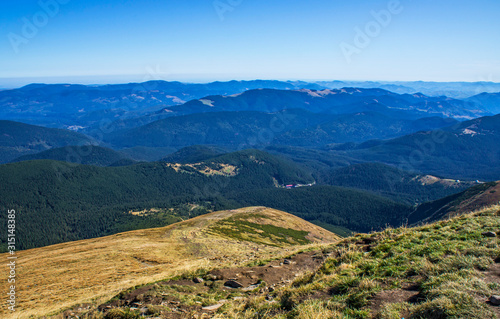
x: 96, y: 269
x: 448, y: 269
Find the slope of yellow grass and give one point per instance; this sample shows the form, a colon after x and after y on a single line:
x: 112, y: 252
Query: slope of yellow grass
x: 52, y: 278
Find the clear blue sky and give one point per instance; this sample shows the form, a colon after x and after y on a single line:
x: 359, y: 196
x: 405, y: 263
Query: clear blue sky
x: 96, y: 41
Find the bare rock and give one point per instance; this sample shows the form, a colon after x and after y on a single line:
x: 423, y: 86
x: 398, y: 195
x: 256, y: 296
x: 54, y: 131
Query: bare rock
x: 197, y: 280
x: 233, y: 284
x: 495, y: 300
x: 213, y: 307
x: 489, y: 234
x: 251, y: 287
x: 211, y: 277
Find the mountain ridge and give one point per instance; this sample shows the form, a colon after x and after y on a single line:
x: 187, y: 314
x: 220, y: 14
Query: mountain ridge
x: 153, y: 254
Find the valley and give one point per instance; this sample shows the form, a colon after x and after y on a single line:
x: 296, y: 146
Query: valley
x: 234, y: 159
x: 249, y: 199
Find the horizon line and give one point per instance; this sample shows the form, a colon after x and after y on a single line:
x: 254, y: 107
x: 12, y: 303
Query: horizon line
x: 32, y: 80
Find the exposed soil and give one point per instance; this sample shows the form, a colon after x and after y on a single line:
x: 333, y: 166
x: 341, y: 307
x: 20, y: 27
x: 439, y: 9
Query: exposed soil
x: 278, y: 272
x: 254, y: 280
x: 393, y: 296
x: 493, y: 275
x: 261, y: 280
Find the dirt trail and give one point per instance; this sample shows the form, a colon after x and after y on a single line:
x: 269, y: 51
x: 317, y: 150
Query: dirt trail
x: 252, y: 281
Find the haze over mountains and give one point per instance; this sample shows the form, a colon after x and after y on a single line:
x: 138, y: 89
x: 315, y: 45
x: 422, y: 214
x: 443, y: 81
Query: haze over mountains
x: 345, y: 163
x: 79, y: 106
x: 84, y: 162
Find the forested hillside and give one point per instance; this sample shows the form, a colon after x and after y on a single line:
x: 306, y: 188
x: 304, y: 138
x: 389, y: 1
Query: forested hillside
x: 74, y: 201
x: 18, y: 139
x: 88, y: 155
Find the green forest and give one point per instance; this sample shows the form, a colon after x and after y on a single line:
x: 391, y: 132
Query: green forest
x: 74, y: 202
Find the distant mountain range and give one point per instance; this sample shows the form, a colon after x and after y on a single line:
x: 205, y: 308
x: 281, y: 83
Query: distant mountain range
x: 87, y: 108
x: 341, y: 151
x: 75, y: 106
x: 458, y: 90
x: 337, y: 101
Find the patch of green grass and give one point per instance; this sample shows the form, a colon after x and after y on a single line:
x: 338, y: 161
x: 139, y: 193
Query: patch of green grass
x: 240, y: 228
x: 443, y: 260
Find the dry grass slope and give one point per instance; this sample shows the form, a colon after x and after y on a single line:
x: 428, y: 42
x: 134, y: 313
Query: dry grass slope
x: 60, y: 276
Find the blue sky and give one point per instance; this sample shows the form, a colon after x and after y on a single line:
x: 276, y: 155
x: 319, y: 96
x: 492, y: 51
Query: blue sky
x: 90, y: 41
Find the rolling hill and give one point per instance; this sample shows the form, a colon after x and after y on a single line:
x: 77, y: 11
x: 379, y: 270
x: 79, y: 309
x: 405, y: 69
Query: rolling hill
x: 194, y: 154
x: 81, y: 201
x: 468, y: 150
x: 335, y: 101
x: 18, y: 139
x: 293, y: 127
x: 448, y: 269
x: 393, y: 183
x: 488, y: 101
x: 96, y: 269
x: 222, y: 129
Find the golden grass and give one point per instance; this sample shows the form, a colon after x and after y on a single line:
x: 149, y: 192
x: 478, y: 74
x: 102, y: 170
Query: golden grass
x: 50, y: 279
x: 144, y: 212
x: 222, y: 169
